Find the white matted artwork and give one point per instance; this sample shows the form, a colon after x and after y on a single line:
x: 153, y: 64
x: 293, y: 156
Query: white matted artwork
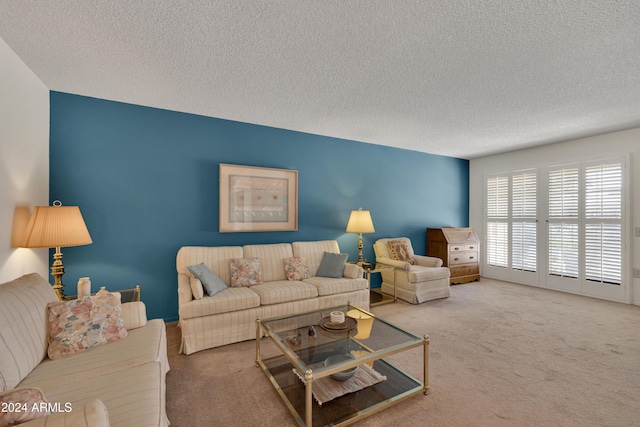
x: 258, y: 199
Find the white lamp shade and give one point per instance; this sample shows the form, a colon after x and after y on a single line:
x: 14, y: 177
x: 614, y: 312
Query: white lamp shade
x: 360, y: 222
x: 56, y: 226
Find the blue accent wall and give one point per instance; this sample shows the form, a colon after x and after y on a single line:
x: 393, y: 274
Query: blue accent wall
x: 146, y: 181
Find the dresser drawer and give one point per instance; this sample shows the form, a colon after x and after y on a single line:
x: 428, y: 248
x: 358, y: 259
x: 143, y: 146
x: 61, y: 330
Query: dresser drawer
x: 464, y: 270
x: 463, y: 258
x: 462, y: 248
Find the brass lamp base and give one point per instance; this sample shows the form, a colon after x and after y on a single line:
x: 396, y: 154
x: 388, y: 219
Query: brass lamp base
x: 360, y: 258
x: 57, y: 270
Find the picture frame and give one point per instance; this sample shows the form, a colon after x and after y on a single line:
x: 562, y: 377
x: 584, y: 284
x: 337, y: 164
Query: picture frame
x: 258, y: 199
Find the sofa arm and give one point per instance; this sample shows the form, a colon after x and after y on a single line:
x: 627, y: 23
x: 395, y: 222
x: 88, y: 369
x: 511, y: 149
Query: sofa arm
x: 134, y: 314
x: 90, y: 414
x: 184, y: 289
x: 393, y: 262
x: 428, y: 261
x: 353, y: 271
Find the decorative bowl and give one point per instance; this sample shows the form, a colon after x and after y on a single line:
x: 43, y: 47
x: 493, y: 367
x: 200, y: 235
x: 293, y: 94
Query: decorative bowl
x: 342, y: 375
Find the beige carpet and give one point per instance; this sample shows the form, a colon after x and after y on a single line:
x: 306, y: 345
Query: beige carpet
x: 501, y: 355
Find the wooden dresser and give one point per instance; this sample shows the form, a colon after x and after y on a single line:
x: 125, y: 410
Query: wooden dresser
x: 459, y: 249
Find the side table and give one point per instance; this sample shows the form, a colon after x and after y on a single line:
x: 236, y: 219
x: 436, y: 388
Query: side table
x: 377, y: 297
x: 127, y: 295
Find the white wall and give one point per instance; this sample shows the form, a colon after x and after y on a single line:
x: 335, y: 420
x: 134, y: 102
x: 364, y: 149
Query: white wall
x: 24, y: 161
x: 602, y: 145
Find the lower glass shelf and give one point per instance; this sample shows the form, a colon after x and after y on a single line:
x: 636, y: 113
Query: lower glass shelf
x: 376, y: 297
x: 398, y: 386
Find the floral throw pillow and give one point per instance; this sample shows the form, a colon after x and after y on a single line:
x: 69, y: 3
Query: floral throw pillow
x: 245, y: 272
x: 399, y: 250
x: 108, y: 310
x: 295, y: 269
x: 72, y: 327
x: 21, y: 405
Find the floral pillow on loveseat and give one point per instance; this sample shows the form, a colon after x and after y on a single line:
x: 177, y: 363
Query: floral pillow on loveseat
x: 78, y: 325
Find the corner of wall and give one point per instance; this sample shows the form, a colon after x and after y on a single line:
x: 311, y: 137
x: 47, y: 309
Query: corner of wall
x: 24, y: 161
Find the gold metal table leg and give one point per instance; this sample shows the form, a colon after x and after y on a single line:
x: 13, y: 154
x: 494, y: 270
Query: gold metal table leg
x: 308, y: 403
x: 426, y: 386
x: 257, y: 341
x: 395, y: 288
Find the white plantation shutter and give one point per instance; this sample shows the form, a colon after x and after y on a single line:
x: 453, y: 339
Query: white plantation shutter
x: 580, y: 247
x: 563, y: 249
x: 564, y: 194
x: 524, y: 246
x: 603, y: 223
x: 603, y: 253
x: 524, y: 199
x: 498, y: 197
x: 603, y: 191
x: 498, y: 244
x: 497, y: 226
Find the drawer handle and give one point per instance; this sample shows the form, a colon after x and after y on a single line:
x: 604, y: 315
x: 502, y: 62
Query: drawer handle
x: 456, y: 259
x: 456, y: 249
x: 470, y: 257
x: 471, y: 247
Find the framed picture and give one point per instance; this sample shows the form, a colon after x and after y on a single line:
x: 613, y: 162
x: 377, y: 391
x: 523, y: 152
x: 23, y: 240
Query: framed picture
x: 258, y: 199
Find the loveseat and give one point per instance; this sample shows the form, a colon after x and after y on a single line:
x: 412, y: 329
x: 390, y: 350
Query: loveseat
x: 229, y: 316
x: 119, y: 383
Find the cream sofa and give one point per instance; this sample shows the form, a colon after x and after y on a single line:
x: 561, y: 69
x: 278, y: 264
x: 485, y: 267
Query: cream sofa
x: 121, y: 383
x: 229, y: 316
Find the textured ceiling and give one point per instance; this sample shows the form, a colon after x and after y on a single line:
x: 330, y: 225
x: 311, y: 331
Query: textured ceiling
x: 453, y: 77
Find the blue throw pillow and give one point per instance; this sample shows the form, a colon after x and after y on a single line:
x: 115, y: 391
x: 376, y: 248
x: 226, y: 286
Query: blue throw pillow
x: 332, y: 265
x: 210, y: 281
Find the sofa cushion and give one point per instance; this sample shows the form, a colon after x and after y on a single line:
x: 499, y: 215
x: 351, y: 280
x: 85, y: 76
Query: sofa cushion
x: 196, y: 287
x: 271, y: 257
x: 90, y: 414
x: 284, y: 291
x: 295, y: 269
x: 332, y: 265
x: 418, y: 273
x: 210, y: 281
x: 134, y: 315
x: 313, y: 252
x: 245, y: 272
x: 23, y: 326
x: 142, y: 346
x: 25, y: 406
x: 133, y: 397
x: 332, y: 286
x: 231, y: 299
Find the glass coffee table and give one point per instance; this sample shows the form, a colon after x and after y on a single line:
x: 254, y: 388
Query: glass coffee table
x: 304, y: 378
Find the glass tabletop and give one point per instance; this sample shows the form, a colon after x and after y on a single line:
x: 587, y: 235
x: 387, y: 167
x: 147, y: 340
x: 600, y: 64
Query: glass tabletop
x: 310, y: 339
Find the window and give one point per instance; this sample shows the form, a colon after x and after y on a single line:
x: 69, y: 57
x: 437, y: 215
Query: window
x: 511, y: 221
x: 524, y: 225
x: 580, y: 247
x: 563, y: 222
x: 497, y: 221
x: 592, y: 215
x: 603, y: 223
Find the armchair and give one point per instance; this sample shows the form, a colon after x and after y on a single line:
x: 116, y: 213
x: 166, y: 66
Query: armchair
x: 418, y: 278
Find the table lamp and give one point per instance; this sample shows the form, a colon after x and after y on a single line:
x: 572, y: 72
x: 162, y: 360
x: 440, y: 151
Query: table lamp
x: 360, y: 222
x: 55, y: 227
